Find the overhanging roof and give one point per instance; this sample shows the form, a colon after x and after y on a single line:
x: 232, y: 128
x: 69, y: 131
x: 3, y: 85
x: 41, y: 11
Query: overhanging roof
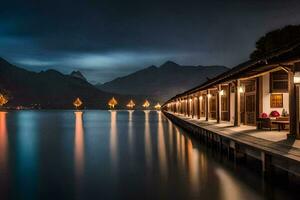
x: 283, y: 56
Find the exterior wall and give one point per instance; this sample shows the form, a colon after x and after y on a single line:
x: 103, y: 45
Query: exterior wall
x: 266, y: 97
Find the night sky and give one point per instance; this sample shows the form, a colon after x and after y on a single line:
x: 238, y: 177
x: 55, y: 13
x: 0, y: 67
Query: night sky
x: 107, y: 39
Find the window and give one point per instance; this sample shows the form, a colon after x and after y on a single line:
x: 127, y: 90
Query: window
x: 276, y: 100
x: 279, y: 81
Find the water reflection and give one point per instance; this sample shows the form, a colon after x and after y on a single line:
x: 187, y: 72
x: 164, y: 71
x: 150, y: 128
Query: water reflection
x: 79, y: 144
x: 231, y: 188
x: 193, y: 166
x: 130, y: 132
x: 191, y: 161
x: 148, y: 142
x: 3, y: 156
x: 113, y: 139
x: 27, y: 152
x: 166, y: 164
x: 170, y: 134
x: 3, y: 143
x: 161, y: 147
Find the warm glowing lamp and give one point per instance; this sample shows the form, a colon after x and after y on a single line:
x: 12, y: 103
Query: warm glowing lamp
x: 77, y: 103
x: 208, y: 95
x: 112, y: 103
x: 131, y: 104
x: 221, y: 92
x: 3, y: 100
x: 157, y: 106
x: 241, y: 89
x: 146, y: 104
x: 297, y: 78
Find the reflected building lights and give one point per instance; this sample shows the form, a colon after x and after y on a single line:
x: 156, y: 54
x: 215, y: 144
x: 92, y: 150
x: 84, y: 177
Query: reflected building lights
x: 182, y: 149
x: 148, y: 143
x: 193, y: 164
x: 230, y: 188
x: 130, y: 132
x: 170, y: 131
x: 3, y: 142
x: 161, y: 147
x: 113, y: 139
x: 79, y: 144
x: 4, y: 168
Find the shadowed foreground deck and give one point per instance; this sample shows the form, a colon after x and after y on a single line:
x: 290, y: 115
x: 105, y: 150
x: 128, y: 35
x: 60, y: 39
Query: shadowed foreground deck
x: 271, y: 147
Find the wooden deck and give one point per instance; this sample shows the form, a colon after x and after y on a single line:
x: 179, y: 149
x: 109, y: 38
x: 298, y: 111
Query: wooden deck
x: 272, y: 142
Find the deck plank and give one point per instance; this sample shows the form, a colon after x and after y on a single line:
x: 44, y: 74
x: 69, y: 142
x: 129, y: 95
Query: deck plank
x: 274, y: 142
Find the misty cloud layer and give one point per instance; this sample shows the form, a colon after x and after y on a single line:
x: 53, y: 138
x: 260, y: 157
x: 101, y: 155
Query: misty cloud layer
x: 107, y: 39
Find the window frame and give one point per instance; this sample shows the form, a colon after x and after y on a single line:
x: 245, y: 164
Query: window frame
x: 272, y: 90
x: 276, y: 106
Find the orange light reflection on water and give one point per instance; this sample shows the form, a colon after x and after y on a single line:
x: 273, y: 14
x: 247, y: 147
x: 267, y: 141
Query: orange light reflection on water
x: 161, y: 147
x: 130, y: 132
x: 79, y: 144
x: 3, y: 142
x: 148, y: 142
x: 113, y: 139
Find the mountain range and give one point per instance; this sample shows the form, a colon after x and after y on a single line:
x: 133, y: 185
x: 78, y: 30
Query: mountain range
x: 162, y: 82
x: 52, y: 89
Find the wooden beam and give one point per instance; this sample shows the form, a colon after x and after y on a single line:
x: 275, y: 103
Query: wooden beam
x: 258, y: 103
x: 237, y: 104
x: 297, y: 131
x: 192, y: 107
x: 292, y: 103
x: 219, y: 109
x: 199, y: 106
x: 228, y: 101
x: 207, y: 106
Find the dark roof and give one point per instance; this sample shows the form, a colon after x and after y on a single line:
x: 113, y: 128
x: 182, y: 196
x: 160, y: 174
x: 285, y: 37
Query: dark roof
x: 285, y: 54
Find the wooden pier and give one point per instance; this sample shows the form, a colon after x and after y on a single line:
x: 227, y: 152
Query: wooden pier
x: 271, y: 148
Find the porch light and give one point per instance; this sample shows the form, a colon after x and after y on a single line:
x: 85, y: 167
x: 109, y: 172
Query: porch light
x: 241, y: 89
x: 190, y: 100
x: 221, y: 92
x: 208, y: 95
x: 200, y: 97
x: 297, y: 78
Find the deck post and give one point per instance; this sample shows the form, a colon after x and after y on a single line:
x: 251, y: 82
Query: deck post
x: 206, y: 105
x: 297, y: 112
x: 294, y: 103
x: 188, y: 106
x: 184, y: 106
x: 180, y: 105
x: 219, y: 109
x: 237, y: 102
x: 198, y: 106
x: 192, y: 105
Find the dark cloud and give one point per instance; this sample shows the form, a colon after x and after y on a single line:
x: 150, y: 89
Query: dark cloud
x: 118, y: 36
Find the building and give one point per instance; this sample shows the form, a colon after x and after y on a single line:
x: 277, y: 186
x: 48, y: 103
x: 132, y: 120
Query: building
x: 250, y: 94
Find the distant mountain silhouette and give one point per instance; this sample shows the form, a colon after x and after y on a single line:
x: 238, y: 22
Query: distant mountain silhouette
x: 51, y: 89
x: 163, y: 82
x: 78, y: 74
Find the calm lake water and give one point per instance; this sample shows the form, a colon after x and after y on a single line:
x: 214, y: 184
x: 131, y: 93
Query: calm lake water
x: 116, y: 155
